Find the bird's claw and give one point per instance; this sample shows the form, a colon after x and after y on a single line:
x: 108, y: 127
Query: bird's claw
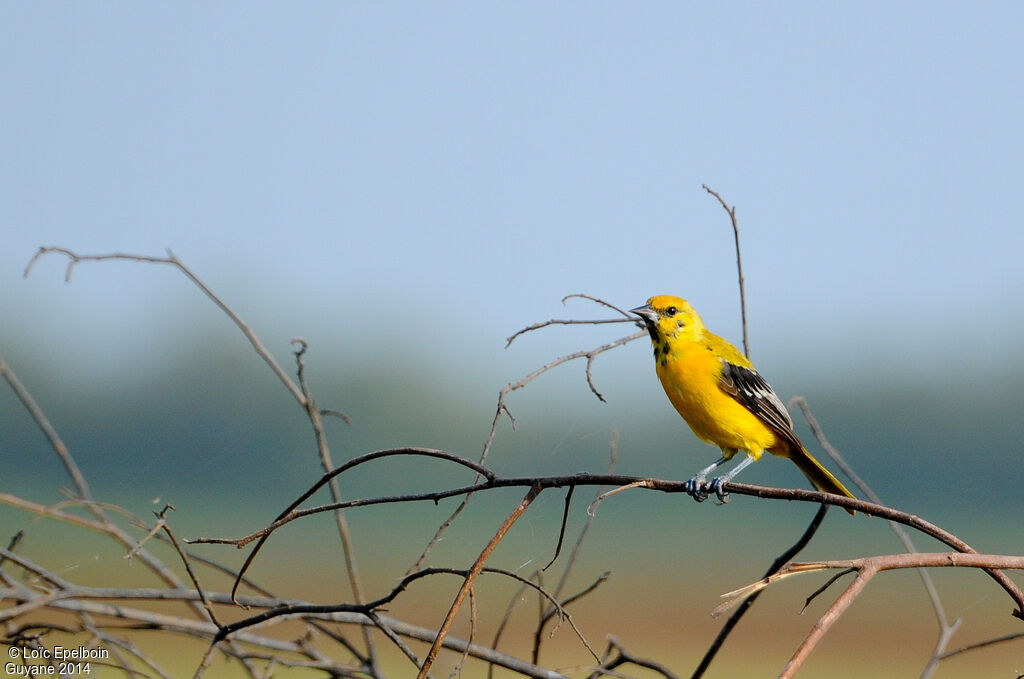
x: 697, y: 488
x: 716, y: 486
x: 700, y: 489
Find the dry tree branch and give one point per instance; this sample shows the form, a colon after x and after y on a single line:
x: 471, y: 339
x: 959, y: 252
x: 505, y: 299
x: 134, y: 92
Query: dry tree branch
x: 866, y: 568
x: 290, y: 513
x: 502, y: 406
x: 982, y: 644
x: 739, y: 263
x: 75, y: 258
x: 626, y: 318
x: 48, y: 430
x: 326, y: 463
x: 745, y: 605
x: 589, y: 354
x: 188, y: 565
x: 299, y: 391
x: 55, y: 593
x: 946, y: 629
x: 204, y: 630
x: 623, y: 657
x: 493, y: 481
x: 471, y: 576
x: 279, y: 608
x: 84, y: 599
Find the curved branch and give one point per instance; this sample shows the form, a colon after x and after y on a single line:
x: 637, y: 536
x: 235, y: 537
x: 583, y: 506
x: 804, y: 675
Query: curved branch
x: 586, y: 479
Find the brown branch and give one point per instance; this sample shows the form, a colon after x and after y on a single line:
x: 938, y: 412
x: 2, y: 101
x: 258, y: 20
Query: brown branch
x: 866, y: 568
x: 471, y: 576
x: 502, y: 410
x: 47, y: 428
x: 170, y: 259
x: 492, y: 481
x: 83, y: 600
x: 589, y: 354
x: 188, y: 566
x: 549, y: 613
x: 745, y: 605
x: 626, y: 317
x: 946, y: 629
x: 623, y: 657
x: 327, y: 464
x: 564, y: 321
x: 731, y: 210
x: 982, y: 644
x: 290, y: 514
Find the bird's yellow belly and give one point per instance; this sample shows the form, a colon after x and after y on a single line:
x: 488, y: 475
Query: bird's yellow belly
x: 713, y: 415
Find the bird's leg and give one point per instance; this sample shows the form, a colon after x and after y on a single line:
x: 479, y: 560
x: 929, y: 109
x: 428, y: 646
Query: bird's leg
x: 695, y: 486
x: 717, y: 483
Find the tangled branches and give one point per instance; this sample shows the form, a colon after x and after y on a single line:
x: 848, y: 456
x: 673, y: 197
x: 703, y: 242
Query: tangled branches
x: 255, y: 628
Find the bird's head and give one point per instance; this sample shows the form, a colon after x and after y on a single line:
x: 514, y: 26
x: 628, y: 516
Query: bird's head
x: 666, y: 317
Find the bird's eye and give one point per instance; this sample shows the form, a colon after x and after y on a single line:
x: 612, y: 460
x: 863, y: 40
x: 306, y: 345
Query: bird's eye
x: 671, y: 311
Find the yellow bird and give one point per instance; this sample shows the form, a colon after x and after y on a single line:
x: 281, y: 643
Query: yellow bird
x: 722, y: 397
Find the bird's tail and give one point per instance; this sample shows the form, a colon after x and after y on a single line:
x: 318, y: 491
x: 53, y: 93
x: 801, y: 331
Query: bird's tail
x: 818, y: 475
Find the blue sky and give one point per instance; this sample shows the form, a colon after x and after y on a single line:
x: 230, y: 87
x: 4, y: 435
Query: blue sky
x: 446, y: 172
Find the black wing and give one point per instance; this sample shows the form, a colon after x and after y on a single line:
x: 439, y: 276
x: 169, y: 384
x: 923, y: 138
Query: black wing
x: 757, y: 396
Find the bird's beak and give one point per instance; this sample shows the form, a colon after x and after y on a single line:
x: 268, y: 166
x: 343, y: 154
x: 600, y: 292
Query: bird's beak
x: 646, y: 312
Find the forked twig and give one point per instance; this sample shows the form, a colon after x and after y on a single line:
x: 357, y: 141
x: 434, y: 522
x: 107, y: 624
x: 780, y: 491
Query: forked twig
x: 502, y: 406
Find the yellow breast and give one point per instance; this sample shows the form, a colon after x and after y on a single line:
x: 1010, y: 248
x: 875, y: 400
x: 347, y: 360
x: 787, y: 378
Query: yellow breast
x: 690, y: 379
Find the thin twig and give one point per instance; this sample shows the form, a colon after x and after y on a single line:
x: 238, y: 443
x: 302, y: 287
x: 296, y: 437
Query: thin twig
x: 171, y: 259
x: 623, y: 657
x: 48, y: 430
x: 502, y: 410
x: 983, y: 644
x: 188, y: 566
x: 327, y: 464
x: 739, y: 263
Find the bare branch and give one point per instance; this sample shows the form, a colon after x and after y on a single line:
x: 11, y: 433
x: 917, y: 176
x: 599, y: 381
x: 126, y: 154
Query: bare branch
x: 866, y: 568
x: 327, y: 464
x: 731, y: 210
x: 946, y: 630
x: 626, y: 317
x: 564, y: 321
x: 623, y: 657
x: 44, y: 424
x: 502, y: 409
x: 473, y: 572
x: 170, y: 259
x: 745, y: 605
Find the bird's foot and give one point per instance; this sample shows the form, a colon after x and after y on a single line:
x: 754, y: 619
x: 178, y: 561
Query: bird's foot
x: 716, y: 487
x: 697, y: 488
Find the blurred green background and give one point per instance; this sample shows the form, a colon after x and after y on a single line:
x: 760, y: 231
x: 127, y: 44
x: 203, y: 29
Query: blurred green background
x: 407, y: 185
